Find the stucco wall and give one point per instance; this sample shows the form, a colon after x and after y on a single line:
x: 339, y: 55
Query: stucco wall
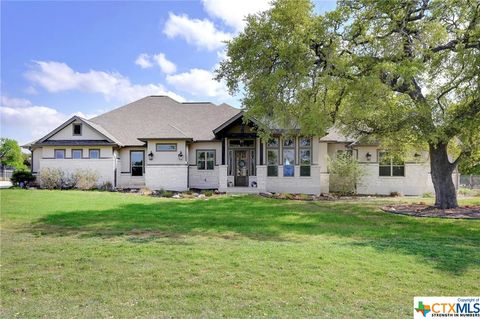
x: 87, y: 133
x: 166, y: 177
x: 103, y: 167
x: 166, y: 157
x: 193, y: 147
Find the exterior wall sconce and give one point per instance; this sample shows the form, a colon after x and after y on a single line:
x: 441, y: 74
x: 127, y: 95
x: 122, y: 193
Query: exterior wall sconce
x: 368, y: 156
x: 417, y: 156
x: 180, y: 156
x: 150, y: 155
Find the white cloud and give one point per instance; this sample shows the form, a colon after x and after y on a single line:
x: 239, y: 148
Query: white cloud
x: 58, y: 77
x: 233, y: 13
x: 39, y: 120
x: 198, y: 82
x: 165, y: 65
x: 201, y: 33
x: 143, y: 60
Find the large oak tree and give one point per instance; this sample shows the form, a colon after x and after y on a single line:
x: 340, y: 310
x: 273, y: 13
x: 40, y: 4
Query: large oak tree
x: 404, y: 73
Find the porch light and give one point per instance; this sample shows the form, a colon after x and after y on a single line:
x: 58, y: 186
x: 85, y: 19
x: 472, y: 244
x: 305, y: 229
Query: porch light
x: 417, y: 156
x: 180, y: 156
x: 368, y: 156
x: 150, y: 155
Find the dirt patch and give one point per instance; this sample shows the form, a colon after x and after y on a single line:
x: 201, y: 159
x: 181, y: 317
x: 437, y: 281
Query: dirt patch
x: 422, y: 210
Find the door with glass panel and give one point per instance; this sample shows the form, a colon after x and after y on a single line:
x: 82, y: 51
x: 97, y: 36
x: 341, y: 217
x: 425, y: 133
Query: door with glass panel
x: 241, y: 167
x: 136, y: 163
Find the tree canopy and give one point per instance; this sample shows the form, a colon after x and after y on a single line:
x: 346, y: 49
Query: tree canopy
x: 10, y: 153
x: 405, y: 73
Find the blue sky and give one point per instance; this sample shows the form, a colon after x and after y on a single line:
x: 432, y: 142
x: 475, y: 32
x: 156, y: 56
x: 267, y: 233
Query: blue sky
x: 64, y: 58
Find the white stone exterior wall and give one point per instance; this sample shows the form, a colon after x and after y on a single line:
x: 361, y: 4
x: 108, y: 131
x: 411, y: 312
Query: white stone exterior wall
x: 417, y: 181
x: 295, y: 184
x: 204, y: 179
x: 167, y: 177
x: 105, y: 168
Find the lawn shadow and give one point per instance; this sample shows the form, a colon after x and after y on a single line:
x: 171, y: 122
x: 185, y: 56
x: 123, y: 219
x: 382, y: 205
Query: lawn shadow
x: 451, y: 245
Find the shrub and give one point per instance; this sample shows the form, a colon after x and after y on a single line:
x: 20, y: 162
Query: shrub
x: 427, y: 195
x: 167, y: 194
x: 145, y: 191
x: 207, y: 193
x: 84, y: 179
x: 51, y: 178
x: 106, y: 186
x: 395, y: 194
x: 22, y: 178
x: 345, y: 174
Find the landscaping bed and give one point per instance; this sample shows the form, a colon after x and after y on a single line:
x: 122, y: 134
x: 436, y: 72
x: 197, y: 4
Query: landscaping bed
x: 424, y: 210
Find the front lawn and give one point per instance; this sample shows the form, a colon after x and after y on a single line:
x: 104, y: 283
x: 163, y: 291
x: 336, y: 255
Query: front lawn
x: 91, y: 254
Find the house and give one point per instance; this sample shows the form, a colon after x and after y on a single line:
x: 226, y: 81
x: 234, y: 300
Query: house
x: 159, y: 143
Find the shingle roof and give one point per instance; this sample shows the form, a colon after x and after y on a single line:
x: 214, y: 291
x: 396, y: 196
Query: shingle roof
x: 75, y: 143
x: 163, y: 117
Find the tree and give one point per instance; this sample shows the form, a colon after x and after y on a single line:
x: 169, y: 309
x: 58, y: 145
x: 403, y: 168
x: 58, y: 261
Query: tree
x: 10, y: 153
x: 405, y: 73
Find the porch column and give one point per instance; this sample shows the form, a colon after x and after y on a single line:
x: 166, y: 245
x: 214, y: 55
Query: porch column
x: 222, y: 178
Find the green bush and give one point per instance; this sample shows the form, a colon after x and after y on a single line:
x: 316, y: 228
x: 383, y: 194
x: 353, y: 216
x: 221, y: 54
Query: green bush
x: 21, y: 177
x: 427, y: 195
x: 345, y: 174
x: 207, y: 193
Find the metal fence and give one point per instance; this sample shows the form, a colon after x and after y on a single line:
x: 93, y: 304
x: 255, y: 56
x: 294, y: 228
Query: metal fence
x: 5, y: 173
x: 470, y: 181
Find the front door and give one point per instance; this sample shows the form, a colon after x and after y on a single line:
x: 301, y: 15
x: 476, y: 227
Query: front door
x: 241, y: 168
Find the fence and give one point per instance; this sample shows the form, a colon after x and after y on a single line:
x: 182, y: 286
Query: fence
x: 5, y: 173
x: 470, y: 181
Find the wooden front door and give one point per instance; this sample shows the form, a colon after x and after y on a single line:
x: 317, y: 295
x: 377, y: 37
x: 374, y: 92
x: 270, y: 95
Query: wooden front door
x: 241, y: 167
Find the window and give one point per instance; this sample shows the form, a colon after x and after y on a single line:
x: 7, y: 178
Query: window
x: 77, y: 128
x: 166, y: 147
x: 241, y: 143
x: 272, y: 157
x: 390, y: 165
x: 136, y: 163
x: 305, y: 151
x: 206, y: 160
x: 60, y: 154
x: 77, y: 154
x: 94, y: 153
x: 341, y: 153
x: 288, y: 157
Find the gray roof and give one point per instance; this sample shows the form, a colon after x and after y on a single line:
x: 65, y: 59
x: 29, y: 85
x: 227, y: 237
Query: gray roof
x: 163, y: 118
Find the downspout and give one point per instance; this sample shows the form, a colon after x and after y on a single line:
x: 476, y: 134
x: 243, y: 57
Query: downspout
x: 188, y: 166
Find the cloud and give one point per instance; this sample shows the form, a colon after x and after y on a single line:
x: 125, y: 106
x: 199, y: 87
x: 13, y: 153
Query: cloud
x: 198, y: 82
x: 146, y: 61
x: 58, y: 77
x: 165, y: 65
x: 201, y: 33
x: 233, y: 13
x: 143, y: 60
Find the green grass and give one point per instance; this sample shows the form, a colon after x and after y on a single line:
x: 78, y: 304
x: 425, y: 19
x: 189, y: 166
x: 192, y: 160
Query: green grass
x: 90, y: 254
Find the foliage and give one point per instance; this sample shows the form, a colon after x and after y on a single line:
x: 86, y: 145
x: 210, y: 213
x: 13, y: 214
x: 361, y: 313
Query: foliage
x: 51, y: 178
x: 404, y: 74
x: 231, y: 256
x: 10, y: 153
x: 345, y: 174
x: 22, y: 176
x: 469, y: 192
x: 106, y: 186
x: 84, y: 179
x: 207, y: 192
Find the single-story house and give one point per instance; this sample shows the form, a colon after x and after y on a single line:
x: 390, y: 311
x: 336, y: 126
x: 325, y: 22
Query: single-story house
x: 159, y: 143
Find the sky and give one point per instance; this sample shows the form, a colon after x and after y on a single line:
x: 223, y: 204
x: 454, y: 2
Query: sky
x: 65, y: 58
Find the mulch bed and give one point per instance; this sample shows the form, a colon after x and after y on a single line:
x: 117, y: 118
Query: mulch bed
x: 422, y: 210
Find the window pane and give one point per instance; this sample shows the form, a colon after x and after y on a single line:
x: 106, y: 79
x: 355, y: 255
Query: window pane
x: 137, y: 158
x: 304, y: 170
x: 288, y: 170
x: 398, y: 170
x: 137, y: 171
x: 272, y: 170
x: 230, y: 163
x: 396, y: 160
x: 305, y: 157
x: 305, y: 142
x: 383, y: 159
x: 272, y: 157
x: 210, y: 164
x: 76, y: 154
x: 59, y: 153
x: 234, y: 143
x: 385, y: 170
x: 210, y: 155
x: 288, y: 142
x: 248, y: 143
x: 94, y: 154
x: 200, y: 164
x: 166, y: 147
x: 201, y: 155
x: 288, y: 157
x: 252, y: 163
x: 77, y: 129
x: 273, y: 142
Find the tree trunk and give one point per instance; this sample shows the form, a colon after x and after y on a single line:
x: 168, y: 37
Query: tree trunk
x: 441, y: 170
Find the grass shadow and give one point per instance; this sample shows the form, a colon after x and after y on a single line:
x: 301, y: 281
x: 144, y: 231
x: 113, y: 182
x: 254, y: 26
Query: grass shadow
x: 451, y: 245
